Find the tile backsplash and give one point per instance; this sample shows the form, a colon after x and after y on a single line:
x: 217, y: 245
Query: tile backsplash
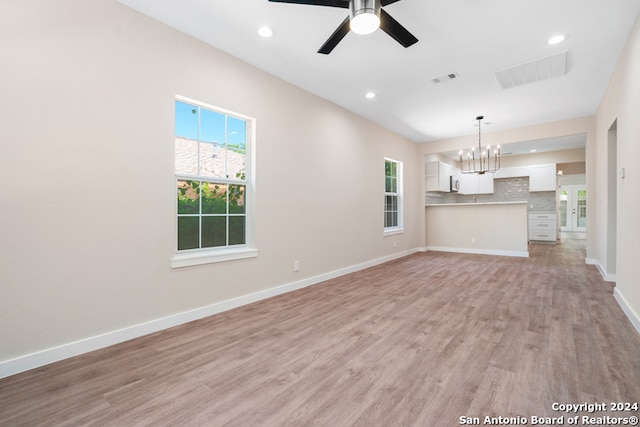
x: 505, y: 190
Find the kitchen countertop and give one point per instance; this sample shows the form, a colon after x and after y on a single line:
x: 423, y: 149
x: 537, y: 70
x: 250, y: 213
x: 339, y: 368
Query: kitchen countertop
x: 476, y: 204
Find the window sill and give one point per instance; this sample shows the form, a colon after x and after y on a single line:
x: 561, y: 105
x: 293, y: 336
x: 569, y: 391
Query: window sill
x: 392, y: 231
x: 212, y: 256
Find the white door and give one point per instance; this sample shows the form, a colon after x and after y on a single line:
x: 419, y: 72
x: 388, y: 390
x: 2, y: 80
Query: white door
x: 573, y: 208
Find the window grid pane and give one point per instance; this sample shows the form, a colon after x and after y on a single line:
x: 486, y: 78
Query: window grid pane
x: 188, y: 232
x: 213, y: 160
x: 188, y: 197
x: 214, y: 198
x: 214, y: 231
x: 391, y: 211
x: 237, y: 230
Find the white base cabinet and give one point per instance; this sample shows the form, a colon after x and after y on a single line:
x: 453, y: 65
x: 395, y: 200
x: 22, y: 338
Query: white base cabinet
x: 542, y: 227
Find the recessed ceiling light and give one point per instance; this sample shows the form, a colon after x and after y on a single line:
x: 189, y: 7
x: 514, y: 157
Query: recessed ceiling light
x: 370, y: 95
x: 559, y: 38
x: 266, y: 32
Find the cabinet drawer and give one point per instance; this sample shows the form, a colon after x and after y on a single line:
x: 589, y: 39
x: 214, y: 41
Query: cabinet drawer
x: 543, y: 216
x: 542, y: 226
x: 544, y: 236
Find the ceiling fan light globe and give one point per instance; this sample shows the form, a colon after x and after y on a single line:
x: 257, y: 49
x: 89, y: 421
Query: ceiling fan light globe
x: 365, y: 23
x: 364, y: 16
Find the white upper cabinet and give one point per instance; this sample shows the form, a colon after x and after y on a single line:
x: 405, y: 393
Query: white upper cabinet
x: 437, y: 176
x: 513, y: 172
x: 476, y: 184
x: 542, y: 178
x: 520, y: 171
x: 502, y: 173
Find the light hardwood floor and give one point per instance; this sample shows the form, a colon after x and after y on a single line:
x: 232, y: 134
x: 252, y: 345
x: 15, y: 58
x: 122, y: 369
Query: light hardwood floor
x: 420, y: 341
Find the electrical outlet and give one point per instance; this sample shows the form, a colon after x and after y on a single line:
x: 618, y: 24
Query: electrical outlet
x: 473, y: 240
x: 395, y: 244
x: 296, y: 265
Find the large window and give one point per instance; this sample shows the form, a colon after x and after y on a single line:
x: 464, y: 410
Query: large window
x: 392, y: 196
x: 213, y: 183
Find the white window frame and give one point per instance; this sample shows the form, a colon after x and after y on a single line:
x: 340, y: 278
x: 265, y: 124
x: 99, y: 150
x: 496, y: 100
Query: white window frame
x: 189, y: 257
x: 399, y: 228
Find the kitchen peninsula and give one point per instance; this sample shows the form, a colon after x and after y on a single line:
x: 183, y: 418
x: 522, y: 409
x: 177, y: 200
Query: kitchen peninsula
x: 494, y: 228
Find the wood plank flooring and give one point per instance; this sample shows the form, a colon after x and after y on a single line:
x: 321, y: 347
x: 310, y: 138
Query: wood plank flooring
x: 420, y: 341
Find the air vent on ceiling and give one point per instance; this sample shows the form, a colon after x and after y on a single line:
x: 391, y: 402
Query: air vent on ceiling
x: 534, y: 71
x: 445, y: 78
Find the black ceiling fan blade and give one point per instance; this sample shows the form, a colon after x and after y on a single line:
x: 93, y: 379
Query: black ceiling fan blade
x: 396, y: 30
x: 386, y: 2
x: 336, y: 37
x: 332, y: 3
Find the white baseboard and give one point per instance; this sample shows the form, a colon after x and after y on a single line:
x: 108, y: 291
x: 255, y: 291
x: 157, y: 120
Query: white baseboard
x: 44, y: 357
x: 622, y: 302
x: 631, y: 314
x: 605, y: 276
x: 524, y: 254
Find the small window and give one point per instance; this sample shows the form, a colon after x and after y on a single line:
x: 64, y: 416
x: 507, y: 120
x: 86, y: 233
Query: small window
x: 392, y: 196
x: 213, y: 184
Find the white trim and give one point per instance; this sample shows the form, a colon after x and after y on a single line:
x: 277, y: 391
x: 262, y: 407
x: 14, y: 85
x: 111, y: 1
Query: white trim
x: 524, y: 254
x: 209, y: 257
x: 44, y: 357
x: 631, y: 314
x: 605, y: 276
x: 188, y: 100
x: 392, y: 231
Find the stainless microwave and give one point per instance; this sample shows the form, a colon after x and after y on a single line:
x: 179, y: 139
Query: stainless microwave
x: 454, y: 184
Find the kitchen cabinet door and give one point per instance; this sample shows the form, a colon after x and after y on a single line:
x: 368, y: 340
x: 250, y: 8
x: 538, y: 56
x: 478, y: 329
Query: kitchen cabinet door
x: 437, y: 176
x: 542, y: 178
x: 476, y: 184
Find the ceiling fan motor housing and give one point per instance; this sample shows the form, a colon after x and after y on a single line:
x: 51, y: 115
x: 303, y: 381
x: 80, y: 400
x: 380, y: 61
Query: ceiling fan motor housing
x: 365, y: 16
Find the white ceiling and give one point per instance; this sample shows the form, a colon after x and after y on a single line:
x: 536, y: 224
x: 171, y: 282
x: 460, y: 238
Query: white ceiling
x: 469, y: 37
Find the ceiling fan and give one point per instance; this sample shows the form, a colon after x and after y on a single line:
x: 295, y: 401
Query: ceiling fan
x: 365, y: 17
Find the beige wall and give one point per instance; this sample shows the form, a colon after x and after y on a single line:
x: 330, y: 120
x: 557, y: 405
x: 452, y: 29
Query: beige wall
x: 563, y: 156
x: 621, y: 102
x: 88, y: 196
x: 454, y: 228
x: 573, y: 168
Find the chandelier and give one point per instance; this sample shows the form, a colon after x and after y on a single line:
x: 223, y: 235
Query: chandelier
x: 482, y: 162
